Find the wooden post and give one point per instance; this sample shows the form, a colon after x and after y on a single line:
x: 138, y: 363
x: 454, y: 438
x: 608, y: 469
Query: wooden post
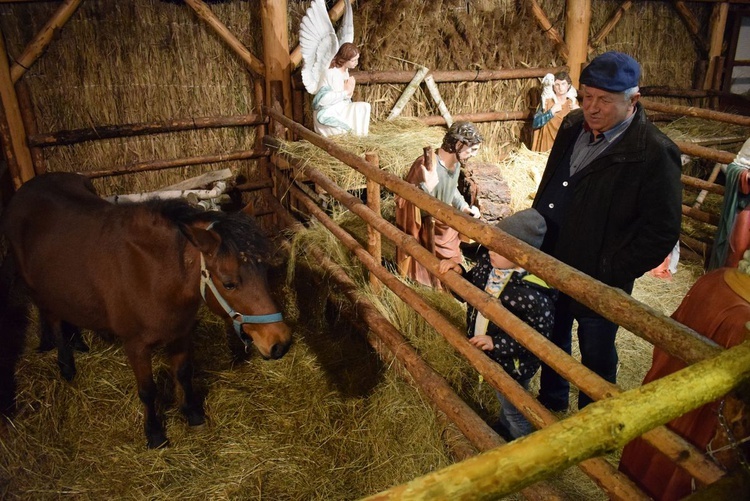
x: 718, y: 25
x: 17, y: 149
x: 374, y: 243
x: 276, y: 57
x: 577, y: 22
x: 29, y: 122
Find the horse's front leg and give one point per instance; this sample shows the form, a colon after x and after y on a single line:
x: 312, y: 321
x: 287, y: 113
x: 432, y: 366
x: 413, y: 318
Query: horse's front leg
x: 139, y: 357
x: 182, y: 370
x: 64, y: 339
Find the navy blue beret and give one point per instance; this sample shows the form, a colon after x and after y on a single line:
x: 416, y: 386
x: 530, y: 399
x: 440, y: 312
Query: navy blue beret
x: 612, y: 71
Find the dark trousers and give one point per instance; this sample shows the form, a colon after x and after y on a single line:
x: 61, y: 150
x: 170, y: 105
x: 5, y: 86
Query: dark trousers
x: 596, y: 339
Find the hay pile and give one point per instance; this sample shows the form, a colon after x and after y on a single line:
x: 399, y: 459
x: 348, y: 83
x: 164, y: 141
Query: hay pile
x: 325, y: 422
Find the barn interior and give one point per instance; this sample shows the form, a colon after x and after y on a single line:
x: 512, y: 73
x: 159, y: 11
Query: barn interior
x: 380, y: 394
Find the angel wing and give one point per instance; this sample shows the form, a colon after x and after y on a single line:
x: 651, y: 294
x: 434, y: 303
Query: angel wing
x: 319, y: 41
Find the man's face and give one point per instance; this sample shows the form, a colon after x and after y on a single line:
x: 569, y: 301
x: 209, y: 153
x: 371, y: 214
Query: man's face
x: 603, y: 110
x: 561, y: 87
x: 465, y: 152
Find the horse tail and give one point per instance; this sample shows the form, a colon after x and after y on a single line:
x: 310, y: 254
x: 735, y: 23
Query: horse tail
x: 14, y: 319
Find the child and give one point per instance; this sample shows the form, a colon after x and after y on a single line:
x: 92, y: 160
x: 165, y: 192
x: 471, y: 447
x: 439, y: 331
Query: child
x: 524, y: 295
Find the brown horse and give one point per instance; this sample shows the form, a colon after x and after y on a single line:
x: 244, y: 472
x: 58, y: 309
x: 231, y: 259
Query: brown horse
x: 139, y: 271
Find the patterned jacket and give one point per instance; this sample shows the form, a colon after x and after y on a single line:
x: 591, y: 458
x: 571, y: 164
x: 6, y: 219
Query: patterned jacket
x: 528, y: 298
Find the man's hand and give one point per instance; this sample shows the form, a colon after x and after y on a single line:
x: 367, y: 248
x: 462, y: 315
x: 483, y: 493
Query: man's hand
x: 430, y: 178
x: 474, y: 211
x: 556, y: 108
x: 482, y: 342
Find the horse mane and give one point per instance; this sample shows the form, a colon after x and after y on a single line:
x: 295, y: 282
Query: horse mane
x: 238, y: 231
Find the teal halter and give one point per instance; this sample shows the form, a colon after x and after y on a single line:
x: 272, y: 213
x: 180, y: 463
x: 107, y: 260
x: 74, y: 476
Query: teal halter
x: 237, y: 318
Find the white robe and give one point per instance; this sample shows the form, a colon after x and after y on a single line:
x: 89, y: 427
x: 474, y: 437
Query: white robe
x: 333, y: 110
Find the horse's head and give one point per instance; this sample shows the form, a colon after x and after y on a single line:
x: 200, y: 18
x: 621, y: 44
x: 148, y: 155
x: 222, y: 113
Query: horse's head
x: 234, y: 285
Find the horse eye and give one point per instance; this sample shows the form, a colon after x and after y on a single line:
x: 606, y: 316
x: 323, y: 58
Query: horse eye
x: 230, y: 286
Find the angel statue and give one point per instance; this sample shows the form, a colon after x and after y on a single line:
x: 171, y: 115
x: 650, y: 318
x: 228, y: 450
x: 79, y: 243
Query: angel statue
x: 327, y: 59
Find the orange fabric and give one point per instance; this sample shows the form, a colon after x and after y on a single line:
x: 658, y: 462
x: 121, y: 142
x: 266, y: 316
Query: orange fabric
x: 713, y: 309
x: 545, y: 136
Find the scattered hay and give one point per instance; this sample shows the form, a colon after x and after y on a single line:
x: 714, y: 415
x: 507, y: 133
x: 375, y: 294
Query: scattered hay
x: 397, y: 142
x: 692, y: 129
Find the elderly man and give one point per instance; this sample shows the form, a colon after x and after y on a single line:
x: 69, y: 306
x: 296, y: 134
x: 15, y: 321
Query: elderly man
x: 611, y: 196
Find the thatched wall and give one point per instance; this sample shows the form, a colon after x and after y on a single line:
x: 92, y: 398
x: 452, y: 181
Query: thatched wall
x: 145, y: 60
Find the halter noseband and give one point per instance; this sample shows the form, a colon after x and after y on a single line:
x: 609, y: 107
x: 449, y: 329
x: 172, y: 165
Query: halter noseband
x: 238, y: 319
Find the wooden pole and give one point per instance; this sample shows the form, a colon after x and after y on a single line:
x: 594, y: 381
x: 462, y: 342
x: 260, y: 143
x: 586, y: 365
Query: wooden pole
x: 711, y: 179
x: 374, y: 243
x: 435, y: 93
x: 178, y: 162
x: 549, y: 30
x: 17, y: 149
x: 691, y: 111
x: 335, y: 14
x: 620, y: 484
x: 597, y: 429
x: 490, y: 116
x: 699, y: 215
x: 408, y: 92
x: 405, y: 76
x: 29, y: 122
x: 718, y: 25
x: 673, y: 446
x: 577, y: 22
x: 40, y: 42
x: 273, y: 14
x: 204, y: 12
x: 695, y: 150
x: 692, y: 25
x: 678, y: 340
x: 609, y: 25
x: 74, y: 136
x: 702, y: 184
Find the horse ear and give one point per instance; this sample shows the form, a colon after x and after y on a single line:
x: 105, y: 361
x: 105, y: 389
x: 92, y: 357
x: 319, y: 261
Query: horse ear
x: 207, y: 241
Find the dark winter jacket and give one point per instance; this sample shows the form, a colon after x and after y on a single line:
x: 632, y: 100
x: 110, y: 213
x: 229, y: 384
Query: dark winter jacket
x: 624, y: 213
x: 528, y: 298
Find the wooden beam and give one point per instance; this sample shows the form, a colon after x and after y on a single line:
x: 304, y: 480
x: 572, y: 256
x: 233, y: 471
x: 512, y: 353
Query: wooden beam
x: 42, y: 40
x: 548, y: 29
x: 29, y: 122
x: 692, y: 111
x: 74, y: 136
x: 718, y: 24
x: 609, y: 25
x: 442, y: 76
x: 205, y: 13
x: 178, y: 162
x: 490, y: 116
x: 692, y: 25
x: 335, y: 14
x: 273, y: 14
x: 17, y: 147
x: 577, y: 23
